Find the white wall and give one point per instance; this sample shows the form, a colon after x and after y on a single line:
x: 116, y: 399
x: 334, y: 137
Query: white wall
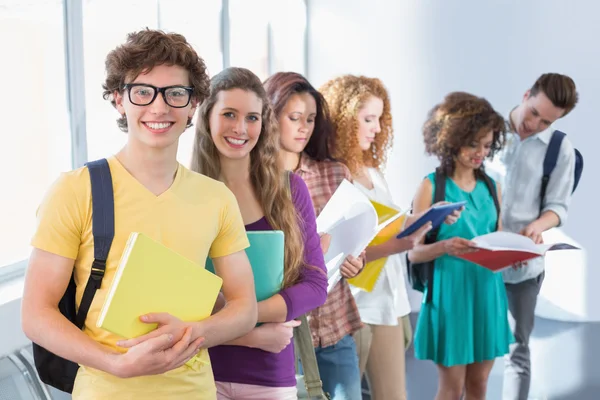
x: 423, y: 50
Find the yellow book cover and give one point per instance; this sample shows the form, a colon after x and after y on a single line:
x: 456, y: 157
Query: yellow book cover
x: 153, y: 278
x: 368, y: 277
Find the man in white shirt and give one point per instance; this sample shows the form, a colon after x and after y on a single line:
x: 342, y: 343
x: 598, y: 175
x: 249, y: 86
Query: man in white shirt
x: 524, y: 211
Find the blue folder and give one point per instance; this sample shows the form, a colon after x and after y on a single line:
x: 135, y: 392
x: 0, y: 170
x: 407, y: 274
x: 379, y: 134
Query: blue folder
x: 266, y: 255
x: 436, y: 215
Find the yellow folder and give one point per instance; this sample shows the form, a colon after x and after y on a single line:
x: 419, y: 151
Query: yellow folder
x: 368, y: 276
x: 152, y: 278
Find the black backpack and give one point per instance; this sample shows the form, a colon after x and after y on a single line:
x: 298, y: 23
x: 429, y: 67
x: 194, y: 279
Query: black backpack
x: 52, y: 369
x: 550, y: 162
x: 420, y: 275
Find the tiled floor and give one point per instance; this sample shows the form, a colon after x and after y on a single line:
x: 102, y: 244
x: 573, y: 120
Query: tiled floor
x: 565, y: 363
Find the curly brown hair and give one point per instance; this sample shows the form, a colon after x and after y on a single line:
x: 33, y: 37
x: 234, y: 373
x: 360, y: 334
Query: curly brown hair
x: 456, y: 122
x: 266, y: 175
x: 145, y: 50
x: 346, y: 95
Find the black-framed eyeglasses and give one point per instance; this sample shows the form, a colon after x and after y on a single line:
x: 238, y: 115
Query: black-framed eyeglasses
x: 142, y: 94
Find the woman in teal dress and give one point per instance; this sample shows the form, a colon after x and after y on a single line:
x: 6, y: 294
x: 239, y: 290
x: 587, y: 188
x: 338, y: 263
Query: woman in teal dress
x: 464, y: 326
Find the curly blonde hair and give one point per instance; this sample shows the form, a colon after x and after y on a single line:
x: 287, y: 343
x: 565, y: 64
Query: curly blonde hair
x: 267, y: 177
x: 346, y: 95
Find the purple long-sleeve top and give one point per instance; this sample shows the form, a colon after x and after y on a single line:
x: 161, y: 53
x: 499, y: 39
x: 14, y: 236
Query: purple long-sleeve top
x: 239, y: 364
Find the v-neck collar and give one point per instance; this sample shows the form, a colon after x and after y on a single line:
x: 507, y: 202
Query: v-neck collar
x: 372, y: 178
x: 114, y: 161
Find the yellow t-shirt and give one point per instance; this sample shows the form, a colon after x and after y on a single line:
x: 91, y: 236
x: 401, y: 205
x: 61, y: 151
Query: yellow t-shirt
x: 197, y: 216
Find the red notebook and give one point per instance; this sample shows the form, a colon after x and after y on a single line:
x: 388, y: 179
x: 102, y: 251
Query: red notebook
x: 499, y: 250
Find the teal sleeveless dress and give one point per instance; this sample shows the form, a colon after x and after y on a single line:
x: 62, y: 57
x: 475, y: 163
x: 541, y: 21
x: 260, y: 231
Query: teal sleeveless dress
x: 466, y: 320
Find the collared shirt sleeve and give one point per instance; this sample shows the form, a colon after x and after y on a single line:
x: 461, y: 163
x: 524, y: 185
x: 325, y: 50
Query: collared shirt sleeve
x: 560, y: 185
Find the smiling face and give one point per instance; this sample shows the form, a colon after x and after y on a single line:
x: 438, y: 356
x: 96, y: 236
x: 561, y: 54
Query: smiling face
x: 156, y: 125
x: 473, y: 155
x: 368, y: 122
x: 297, y: 122
x: 535, y: 114
x: 235, y: 122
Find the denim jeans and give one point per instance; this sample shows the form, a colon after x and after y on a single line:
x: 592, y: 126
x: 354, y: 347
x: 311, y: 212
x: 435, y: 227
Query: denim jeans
x: 338, y: 366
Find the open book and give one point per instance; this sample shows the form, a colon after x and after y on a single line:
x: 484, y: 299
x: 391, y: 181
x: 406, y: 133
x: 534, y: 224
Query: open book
x: 352, y: 221
x: 499, y: 250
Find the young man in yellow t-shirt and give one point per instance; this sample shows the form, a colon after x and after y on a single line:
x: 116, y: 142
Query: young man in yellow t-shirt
x: 155, y: 81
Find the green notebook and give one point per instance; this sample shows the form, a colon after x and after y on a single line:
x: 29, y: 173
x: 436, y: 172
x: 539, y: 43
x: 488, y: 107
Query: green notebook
x: 266, y: 254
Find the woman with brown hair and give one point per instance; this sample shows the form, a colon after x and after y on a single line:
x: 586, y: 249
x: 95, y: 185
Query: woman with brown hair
x: 360, y: 112
x: 306, y: 134
x: 464, y: 326
x: 237, y: 142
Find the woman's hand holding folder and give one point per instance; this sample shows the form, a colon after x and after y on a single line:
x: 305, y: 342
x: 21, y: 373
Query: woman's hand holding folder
x: 396, y: 246
x: 353, y: 265
x: 273, y: 336
x: 457, y: 246
x: 452, y: 218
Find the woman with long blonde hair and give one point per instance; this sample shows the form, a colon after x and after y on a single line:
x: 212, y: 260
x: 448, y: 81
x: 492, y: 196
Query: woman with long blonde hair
x: 237, y: 143
x: 362, y: 121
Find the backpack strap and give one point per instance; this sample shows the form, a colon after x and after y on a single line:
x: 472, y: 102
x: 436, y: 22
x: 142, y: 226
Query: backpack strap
x: 494, y: 192
x: 103, y: 229
x: 306, y: 352
x: 440, y: 188
x: 550, y: 162
x: 439, y: 194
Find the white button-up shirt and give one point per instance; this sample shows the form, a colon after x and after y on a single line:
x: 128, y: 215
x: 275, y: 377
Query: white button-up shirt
x: 388, y: 300
x: 519, y: 169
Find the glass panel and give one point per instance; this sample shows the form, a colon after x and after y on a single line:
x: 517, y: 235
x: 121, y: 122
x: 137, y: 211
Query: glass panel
x: 201, y: 25
x: 288, y: 25
x: 249, y: 46
x: 37, y: 129
x: 106, y: 24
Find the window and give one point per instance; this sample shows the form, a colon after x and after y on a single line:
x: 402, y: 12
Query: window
x: 201, y: 26
x: 268, y: 35
x: 263, y: 35
x: 288, y: 28
x: 106, y: 24
x: 37, y: 144
x: 249, y: 35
